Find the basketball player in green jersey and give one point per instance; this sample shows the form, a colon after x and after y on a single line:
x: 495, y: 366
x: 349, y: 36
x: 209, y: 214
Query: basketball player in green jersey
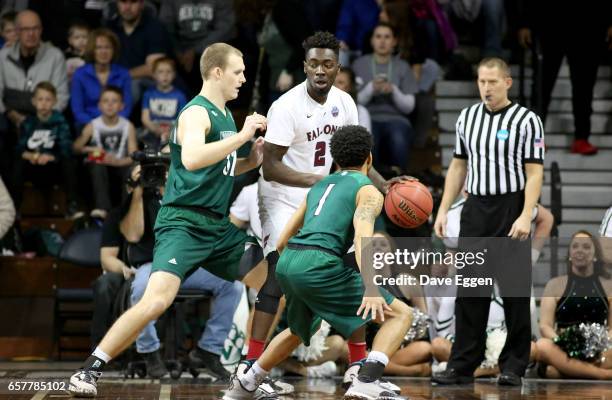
x: 192, y: 228
x: 338, y: 211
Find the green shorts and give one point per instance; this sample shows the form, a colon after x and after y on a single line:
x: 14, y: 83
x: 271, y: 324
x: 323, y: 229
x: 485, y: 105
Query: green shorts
x: 186, y: 240
x: 317, y: 285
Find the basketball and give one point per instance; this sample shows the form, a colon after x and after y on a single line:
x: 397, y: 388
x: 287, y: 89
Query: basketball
x: 408, y: 204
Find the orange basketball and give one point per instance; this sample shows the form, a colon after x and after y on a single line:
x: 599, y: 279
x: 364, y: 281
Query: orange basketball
x: 408, y: 204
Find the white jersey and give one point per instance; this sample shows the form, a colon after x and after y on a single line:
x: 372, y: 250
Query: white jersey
x: 303, y: 125
x: 246, y: 208
x: 605, y: 230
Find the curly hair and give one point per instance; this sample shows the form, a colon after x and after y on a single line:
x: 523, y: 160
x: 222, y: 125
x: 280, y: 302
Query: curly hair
x: 322, y: 40
x: 350, y: 146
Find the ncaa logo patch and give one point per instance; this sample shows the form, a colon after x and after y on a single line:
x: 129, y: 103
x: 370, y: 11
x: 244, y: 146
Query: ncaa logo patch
x: 335, y: 111
x: 502, y: 134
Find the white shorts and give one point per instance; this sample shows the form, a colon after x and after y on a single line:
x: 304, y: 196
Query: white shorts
x: 275, y: 210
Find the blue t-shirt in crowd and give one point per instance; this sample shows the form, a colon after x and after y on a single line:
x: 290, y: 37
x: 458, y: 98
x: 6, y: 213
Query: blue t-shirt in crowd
x: 163, y: 106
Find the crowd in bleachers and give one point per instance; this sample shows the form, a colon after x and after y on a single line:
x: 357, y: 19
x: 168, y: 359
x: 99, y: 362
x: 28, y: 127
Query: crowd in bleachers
x: 74, y: 117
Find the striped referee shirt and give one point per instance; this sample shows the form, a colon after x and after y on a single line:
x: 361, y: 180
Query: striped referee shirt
x: 497, y: 145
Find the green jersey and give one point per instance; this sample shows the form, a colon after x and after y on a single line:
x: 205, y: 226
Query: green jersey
x: 330, y: 207
x: 209, y: 187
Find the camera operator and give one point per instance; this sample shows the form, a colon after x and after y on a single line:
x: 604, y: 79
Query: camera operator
x: 127, y: 240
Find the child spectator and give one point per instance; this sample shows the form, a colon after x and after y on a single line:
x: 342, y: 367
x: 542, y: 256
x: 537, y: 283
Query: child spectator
x: 8, y: 30
x: 44, y: 153
x: 77, y: 41
x: 108, y: 141
x: 161, y: 103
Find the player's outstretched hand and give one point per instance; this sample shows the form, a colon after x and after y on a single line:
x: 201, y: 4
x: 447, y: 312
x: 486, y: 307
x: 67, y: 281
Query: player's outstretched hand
x: 376, y: 305
x: 254, y: 122
x: 256, y: 154
x: 403, y: 178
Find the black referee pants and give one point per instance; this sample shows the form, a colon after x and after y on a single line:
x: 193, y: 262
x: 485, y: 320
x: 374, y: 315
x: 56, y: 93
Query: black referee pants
x: 509, y: 262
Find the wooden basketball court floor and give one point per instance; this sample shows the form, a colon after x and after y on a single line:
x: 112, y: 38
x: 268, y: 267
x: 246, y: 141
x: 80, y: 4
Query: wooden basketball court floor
x: 114, y: 386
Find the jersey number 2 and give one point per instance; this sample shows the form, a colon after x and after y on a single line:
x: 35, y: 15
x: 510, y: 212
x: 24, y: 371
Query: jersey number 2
x: 319, y: 157
x: 323, y: 198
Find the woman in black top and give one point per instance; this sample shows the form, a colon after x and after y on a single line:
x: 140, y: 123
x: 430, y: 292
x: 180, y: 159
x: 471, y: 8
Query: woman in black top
x: 584, y: 295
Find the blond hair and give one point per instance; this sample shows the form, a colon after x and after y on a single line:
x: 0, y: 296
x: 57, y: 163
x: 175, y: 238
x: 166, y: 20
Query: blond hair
x: 495, y: 62
x: 216, y: 55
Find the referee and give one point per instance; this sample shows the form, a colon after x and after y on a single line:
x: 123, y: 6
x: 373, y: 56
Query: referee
x: 500, y: 148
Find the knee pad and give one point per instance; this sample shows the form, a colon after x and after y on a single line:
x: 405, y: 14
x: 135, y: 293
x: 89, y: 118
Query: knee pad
x: 270, y: 293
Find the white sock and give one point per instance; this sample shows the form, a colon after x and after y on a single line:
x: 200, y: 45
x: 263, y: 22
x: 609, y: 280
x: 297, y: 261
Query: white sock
x: 253, y: 377
x: 101, y: 355
x: 378, y: 356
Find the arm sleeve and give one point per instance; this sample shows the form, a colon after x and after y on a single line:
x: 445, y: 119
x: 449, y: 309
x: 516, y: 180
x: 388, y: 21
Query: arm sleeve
x: 364, y: 96
x: 533, y: 131
x: 460, y: 151
x: 364, y: 118
x: 403, y: 101
x: 281, y: 125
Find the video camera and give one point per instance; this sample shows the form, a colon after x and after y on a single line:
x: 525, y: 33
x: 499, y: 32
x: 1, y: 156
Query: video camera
x: 153, y: 168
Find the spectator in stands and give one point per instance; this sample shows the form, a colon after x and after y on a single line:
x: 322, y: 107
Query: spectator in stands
x: 44, y: 150
x: 584, y: 295
x: 491, y: 13
x: 99, y: 72
x: 8, y: 30
x: 583, y: 48
x: 345, y: 80
x: 193, y: 26
x: 161, y: 104
x: 7, y: 210
x: 387, y: 91
x: 108, y: 140
x: 283, y: 31
x: 143, y: 39
x: 24, y: 65
x: 78, y: 33
x: 355, y: 24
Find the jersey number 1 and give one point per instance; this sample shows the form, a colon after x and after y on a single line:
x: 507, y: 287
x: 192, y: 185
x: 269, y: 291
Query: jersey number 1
x: 323, y: 198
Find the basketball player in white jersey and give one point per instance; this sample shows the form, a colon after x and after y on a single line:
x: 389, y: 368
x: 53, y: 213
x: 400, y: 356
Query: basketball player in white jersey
x: 296, y: 156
